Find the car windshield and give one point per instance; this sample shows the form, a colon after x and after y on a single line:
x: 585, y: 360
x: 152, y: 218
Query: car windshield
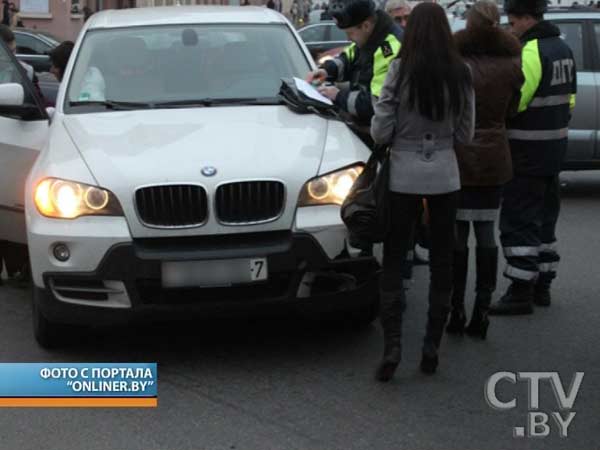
x: 185, y: 65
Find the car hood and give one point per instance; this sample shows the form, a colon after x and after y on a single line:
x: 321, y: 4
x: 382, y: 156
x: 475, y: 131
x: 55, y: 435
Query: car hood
x: 128, y: 149
x: 165, y: 146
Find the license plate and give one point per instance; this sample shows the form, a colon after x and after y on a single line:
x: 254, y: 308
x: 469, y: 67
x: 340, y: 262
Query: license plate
x: 223, y: 272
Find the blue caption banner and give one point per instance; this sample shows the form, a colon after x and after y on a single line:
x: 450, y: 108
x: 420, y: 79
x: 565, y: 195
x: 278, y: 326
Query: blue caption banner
x: 78, y: 380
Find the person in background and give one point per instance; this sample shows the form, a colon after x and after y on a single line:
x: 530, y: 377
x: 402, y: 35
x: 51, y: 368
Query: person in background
x: 87, y: 13
x: 5, y: 13
x: 326, y: 15
x: 485, y: 164
x: 59, y: 57
x: 15, y: 17
x: 399, y: 10
x: 426, y: 106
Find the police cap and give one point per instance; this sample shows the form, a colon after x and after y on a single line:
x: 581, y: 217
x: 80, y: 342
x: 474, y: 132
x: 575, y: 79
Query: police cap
x: 349, y: 13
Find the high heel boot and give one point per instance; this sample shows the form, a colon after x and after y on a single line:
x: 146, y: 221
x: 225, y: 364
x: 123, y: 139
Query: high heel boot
x: 393, y: 305
x: 456, y: 325
x: 436, y: 321
x: 487, y: 269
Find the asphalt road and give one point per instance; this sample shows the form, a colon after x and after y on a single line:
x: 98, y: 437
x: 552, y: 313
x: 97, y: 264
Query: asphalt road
x: 294, y: 385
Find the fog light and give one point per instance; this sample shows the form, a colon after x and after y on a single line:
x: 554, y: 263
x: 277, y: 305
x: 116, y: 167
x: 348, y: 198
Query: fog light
x: 61, y: 252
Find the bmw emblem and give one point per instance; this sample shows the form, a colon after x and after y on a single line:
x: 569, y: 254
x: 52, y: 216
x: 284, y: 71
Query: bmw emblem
x: 209, y: 171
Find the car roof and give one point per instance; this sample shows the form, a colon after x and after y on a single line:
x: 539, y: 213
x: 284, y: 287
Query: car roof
x: 28, y: 31
x: 320, y: 22
x: 179, y: 15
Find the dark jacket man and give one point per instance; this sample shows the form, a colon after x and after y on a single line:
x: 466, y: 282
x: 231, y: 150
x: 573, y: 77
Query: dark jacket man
x: 538, y: 134
x: 538, y: 138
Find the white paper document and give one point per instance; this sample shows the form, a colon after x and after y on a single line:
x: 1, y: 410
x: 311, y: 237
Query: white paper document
x: 309, y: 90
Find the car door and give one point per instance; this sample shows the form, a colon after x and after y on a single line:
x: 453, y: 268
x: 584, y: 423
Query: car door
x: 584, y: 123
x: 33, y: 50
x: 23, y: 131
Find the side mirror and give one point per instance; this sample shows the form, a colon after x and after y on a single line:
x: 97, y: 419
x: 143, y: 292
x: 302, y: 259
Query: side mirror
x: 11, y: 94
x: 50, y: 111
x: 12, y: 103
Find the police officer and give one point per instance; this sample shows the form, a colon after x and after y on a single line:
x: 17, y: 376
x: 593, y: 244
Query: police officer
x: 364, y: 64
x: 538, y: 142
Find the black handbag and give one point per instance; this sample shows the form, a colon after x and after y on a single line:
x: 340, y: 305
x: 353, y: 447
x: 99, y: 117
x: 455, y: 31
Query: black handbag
x: 365, y: 210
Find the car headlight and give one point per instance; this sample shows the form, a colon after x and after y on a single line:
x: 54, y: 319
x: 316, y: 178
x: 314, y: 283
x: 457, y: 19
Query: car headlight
x: 329, y: 189
x: 63, y: 199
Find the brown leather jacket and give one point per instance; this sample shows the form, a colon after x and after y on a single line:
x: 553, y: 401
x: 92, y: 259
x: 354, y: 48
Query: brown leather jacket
x: 494, y: 57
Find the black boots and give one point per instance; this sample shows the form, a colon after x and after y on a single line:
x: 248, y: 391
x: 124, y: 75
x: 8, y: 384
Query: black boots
x: 437, y: 316
x: 393, y: 305
x: 460, y: 268
x: 541, y: 295
x: 517, y: 300
x: 487, y: 270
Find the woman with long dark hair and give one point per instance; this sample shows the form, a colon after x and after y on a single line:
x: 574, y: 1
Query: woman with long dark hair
x: 426, y: 106
x: 485, y: 164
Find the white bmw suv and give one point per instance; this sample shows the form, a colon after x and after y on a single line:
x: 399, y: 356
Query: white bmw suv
x: 171, y: 179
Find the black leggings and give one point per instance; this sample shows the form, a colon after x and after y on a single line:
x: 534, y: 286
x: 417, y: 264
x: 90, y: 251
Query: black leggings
x: 404, y: 210
x: 484, y: 234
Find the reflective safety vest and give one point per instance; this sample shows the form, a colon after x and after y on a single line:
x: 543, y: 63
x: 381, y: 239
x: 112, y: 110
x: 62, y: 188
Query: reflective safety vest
x: 365, y: 68
x: 538, y: 134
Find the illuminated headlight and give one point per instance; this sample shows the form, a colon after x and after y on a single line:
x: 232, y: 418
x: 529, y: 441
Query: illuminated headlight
x: 330, y: 189
x: 67, y: 200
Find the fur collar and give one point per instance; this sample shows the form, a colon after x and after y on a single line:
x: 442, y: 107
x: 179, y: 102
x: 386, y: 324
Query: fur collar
x: 487, y: 41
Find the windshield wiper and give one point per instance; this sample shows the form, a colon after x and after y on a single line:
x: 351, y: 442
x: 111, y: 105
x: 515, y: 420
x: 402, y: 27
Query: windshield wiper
x: 112, y: 104
x: 219, y: 101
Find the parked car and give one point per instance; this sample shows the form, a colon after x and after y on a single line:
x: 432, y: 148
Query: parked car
x: 33, y: 47
x: 581, y: 30
x: 171, y: 179
x: 322, y: 37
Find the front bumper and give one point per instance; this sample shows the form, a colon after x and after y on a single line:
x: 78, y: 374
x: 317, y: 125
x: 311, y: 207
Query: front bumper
x: 127, y: 281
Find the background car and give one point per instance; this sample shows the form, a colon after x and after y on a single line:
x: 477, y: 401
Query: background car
x: 33, y: 47
x: 322, y: 37
x: 581, y: 31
